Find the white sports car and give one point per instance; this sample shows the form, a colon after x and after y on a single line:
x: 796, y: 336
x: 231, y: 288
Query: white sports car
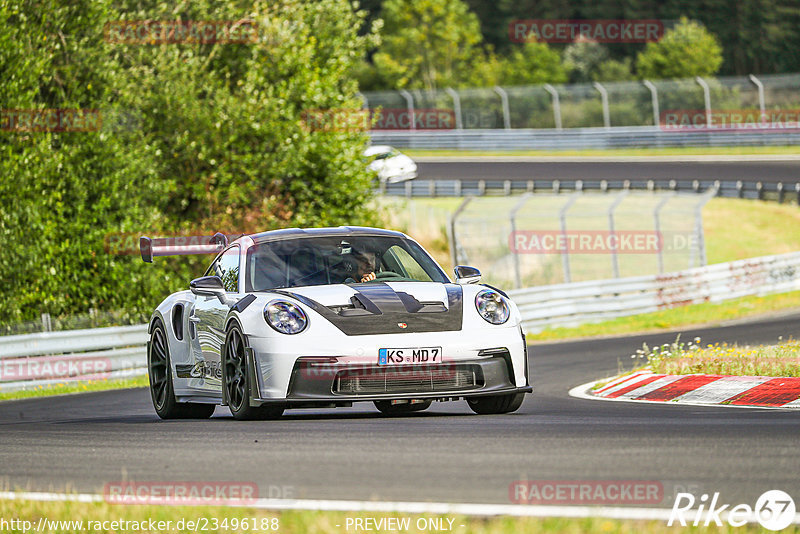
x: 326, y: 317
x: 391, y: 165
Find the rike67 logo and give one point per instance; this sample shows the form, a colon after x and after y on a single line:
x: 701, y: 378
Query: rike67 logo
x: 774, y: 510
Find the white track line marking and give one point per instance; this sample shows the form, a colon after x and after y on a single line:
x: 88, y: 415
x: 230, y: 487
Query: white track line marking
x: 793, y: 404
x: 438, y: 508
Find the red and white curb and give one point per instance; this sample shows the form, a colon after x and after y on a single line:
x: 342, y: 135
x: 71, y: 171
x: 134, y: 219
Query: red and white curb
x: 699, y: 390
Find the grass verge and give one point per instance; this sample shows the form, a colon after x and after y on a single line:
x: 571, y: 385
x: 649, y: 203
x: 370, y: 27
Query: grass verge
x: 682, y: 358
x: 676, y: 151
x: 77, y: 387
x: 694, y: 315
x: 97, y: 517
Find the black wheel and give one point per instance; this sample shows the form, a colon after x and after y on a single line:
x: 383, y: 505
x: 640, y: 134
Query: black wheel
x: 161, y: 389
x: 236, y: 382
x: 386, y: 407
x: 496, y: 404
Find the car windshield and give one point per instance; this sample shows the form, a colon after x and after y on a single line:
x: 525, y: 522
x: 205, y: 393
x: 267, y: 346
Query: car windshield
x: 314, y: 261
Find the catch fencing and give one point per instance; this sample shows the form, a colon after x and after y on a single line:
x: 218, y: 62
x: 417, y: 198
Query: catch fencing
x: 538, y: 239
x: 595, y: 105
x: 592, y: 301
x: 751, y: 110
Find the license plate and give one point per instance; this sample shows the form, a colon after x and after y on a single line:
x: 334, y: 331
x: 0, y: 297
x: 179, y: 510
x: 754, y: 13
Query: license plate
x: 409, y: 355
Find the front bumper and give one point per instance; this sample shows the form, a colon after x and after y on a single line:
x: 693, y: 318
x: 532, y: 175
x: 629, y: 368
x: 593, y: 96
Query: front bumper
x: 488, y: 362
x: 315, y: 382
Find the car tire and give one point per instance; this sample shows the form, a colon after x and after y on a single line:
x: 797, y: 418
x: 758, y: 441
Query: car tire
x: 387, y: 408
x: 496, y: 404
x: 162, y: 391
x: 235, y: 380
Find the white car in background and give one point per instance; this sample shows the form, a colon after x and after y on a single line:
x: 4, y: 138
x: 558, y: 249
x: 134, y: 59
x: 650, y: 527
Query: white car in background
x: 391, y: 165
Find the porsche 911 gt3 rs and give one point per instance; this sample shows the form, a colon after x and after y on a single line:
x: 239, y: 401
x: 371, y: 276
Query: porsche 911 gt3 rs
x: 327, y: 317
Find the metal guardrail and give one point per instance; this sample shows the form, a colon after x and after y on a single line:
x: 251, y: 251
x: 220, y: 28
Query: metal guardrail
x: 486, y: 187
x: 581, y: 302
x: 45, y: 358
x: 578, y: 138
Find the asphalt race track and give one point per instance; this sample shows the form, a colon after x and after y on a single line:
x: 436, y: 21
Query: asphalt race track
x: 79, y: 443
x: 567, y: 169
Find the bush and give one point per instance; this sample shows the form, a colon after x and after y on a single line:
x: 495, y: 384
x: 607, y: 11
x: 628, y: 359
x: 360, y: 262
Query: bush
x: 218, y: 142
x: 686, y: 51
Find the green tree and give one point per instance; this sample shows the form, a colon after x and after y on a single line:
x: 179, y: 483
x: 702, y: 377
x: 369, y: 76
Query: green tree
x: 583, y: 58
x: 533, y: 63
x: 686, y: 51
x: 220, y: 142
x: 612, y: 70
x: 427, y: 43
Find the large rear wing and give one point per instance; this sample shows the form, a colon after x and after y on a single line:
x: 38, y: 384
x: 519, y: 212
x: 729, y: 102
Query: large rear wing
x: 181, y: 245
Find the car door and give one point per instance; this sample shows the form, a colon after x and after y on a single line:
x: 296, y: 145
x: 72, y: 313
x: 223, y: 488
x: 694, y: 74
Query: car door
x: 209, y: 319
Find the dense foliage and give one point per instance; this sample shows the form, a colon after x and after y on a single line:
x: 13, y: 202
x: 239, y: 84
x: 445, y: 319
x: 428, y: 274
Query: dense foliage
x: 757, y: 36
x: 195, y: 138
x: 708, y: 37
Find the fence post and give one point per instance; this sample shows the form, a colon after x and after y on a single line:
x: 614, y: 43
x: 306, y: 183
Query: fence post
x: 47, y: 323
x: 412, y: 123
x: 698, y: 224
x: 451, y: 227
x: 456, y: 107
x: 504, y: 101
x: 513, y: 220
x: 611, y: 231
x: 657, y: 228
x: 706, y: 97
x: 654, y: 100
x: 604, y: 102
x: 562, y: 215
x: 556, y: 104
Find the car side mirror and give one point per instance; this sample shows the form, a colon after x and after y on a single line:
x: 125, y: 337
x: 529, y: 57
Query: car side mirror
x: 207, y: 286
x: 467, y: 275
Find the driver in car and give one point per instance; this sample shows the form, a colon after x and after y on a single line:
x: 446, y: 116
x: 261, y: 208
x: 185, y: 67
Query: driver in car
x: 365, y: 267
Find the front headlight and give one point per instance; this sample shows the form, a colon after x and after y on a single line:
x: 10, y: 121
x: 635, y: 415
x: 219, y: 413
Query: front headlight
x: 492, y: 306
x: 285, y: 317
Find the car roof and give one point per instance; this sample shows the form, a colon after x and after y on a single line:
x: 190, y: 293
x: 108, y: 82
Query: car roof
x: 288, y: 233
x: 377, y: 149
